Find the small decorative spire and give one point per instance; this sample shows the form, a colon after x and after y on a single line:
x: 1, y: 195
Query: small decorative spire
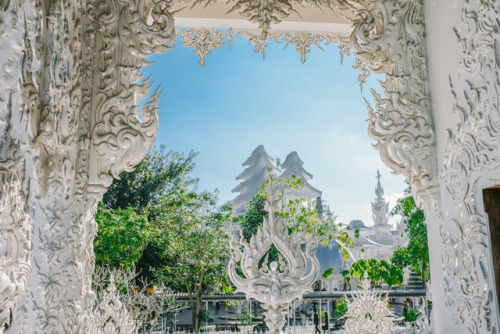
x: 380, y: 208
x: 379, y: 191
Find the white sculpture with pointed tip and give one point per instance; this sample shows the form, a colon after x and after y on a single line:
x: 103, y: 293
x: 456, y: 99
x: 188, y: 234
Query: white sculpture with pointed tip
x: 274, y: 288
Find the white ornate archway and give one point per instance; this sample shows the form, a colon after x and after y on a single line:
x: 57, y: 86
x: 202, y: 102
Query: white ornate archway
x: 68, y: 120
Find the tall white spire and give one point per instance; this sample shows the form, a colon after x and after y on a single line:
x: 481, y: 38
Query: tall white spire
x: 380, y: 208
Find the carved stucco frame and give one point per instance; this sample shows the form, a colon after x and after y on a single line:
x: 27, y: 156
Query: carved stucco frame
x: 69, y: 116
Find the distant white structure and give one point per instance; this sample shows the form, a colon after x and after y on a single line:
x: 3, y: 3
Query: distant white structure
x: 259, y: 166
x: 293, y: 165
x: 254, y: 176
x: 380, y: 240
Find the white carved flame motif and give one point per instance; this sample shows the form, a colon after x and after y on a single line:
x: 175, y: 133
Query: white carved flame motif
x: 368, y: 313
x: 272, y: 287
x: 111, y: 316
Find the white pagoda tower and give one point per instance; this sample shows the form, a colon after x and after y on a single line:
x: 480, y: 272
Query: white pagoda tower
x: 293, y: 165
x: 253, y: 177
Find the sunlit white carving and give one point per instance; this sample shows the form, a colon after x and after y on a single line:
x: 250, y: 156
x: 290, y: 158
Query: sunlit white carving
x: 202, y: 41
x: 471, y: 158
x: 368, y: 312
x: 274, y: 288
x: 111, y: 315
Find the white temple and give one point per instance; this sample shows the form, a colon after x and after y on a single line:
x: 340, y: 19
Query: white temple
x: 377, y: 241
x: 257, y: 171
x: 253, y: 177
x: 380, y: 240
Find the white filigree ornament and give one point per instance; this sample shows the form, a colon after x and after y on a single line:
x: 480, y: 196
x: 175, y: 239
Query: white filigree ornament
x: 274, y: 288
x: 111, y: 315
x: 368, y: 313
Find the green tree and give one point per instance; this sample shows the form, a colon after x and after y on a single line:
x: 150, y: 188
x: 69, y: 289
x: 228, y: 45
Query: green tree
x: 160, y: 173
x: 121, y: 237
x: 377, y: 271
x: 195, y: 245
x: 416, y: 254
x: 157, y: 174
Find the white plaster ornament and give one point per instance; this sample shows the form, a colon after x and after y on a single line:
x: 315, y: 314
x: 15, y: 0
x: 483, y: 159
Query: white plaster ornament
x: 274, y: 288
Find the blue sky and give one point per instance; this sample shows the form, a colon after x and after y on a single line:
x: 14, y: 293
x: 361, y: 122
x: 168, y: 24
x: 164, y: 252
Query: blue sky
x: 238, y: 101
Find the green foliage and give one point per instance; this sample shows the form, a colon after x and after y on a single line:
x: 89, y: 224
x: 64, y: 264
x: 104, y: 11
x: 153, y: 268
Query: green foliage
x: 157, y: 174
x: 377, y: 271
x: 327, y: 273
x: 296, y: 216
x: 172, y: 234
x: 416, y: 254
x: 205, y: 316
x: 254, y: 217
x: 246, y: 318
x: 341, y: 306
x: 195, y: 244
x: 412, y: 315
x: 194, y: 241
x: 121, y: 238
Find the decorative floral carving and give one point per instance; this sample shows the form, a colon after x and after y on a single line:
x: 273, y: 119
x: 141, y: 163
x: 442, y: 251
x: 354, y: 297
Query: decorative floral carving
x: 111, y: 315
x: 401, y: 123
x: 367, y: 312
x: 127, y: 34
x: 274, y: 288
x: 264, y: 13
x: 471, y: 156
x: 15, y: 238
x: 203, y: 41
x: 15, y: 223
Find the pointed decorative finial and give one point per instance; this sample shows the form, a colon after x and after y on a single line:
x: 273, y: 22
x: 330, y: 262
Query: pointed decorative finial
x: 380, y: 208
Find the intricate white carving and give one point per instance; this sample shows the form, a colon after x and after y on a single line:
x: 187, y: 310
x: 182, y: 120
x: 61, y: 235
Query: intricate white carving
x: 202, y: 41
x: 111, y: 315
x: 274, y: 288
x: 67, y: 87
x: 401, y: 123
x: 302, y: 41
x: 125, y: 39
x: 15, y: 99
x: 367, y: 312
x: 471, y: 154
x: 75, y: 99
x: 423, y: 323
x: 15, y: 230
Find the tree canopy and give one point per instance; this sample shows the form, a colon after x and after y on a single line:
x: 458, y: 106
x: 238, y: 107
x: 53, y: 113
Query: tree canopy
x: 154, y: 220
x: 121, y: 237
x: 416, y: 254
x: 159, y: 173
x: 377, y: 271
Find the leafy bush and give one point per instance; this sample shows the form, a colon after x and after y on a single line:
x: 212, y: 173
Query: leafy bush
x: 412, y: 315
x: 341, y: 307
x: 246, y: 318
